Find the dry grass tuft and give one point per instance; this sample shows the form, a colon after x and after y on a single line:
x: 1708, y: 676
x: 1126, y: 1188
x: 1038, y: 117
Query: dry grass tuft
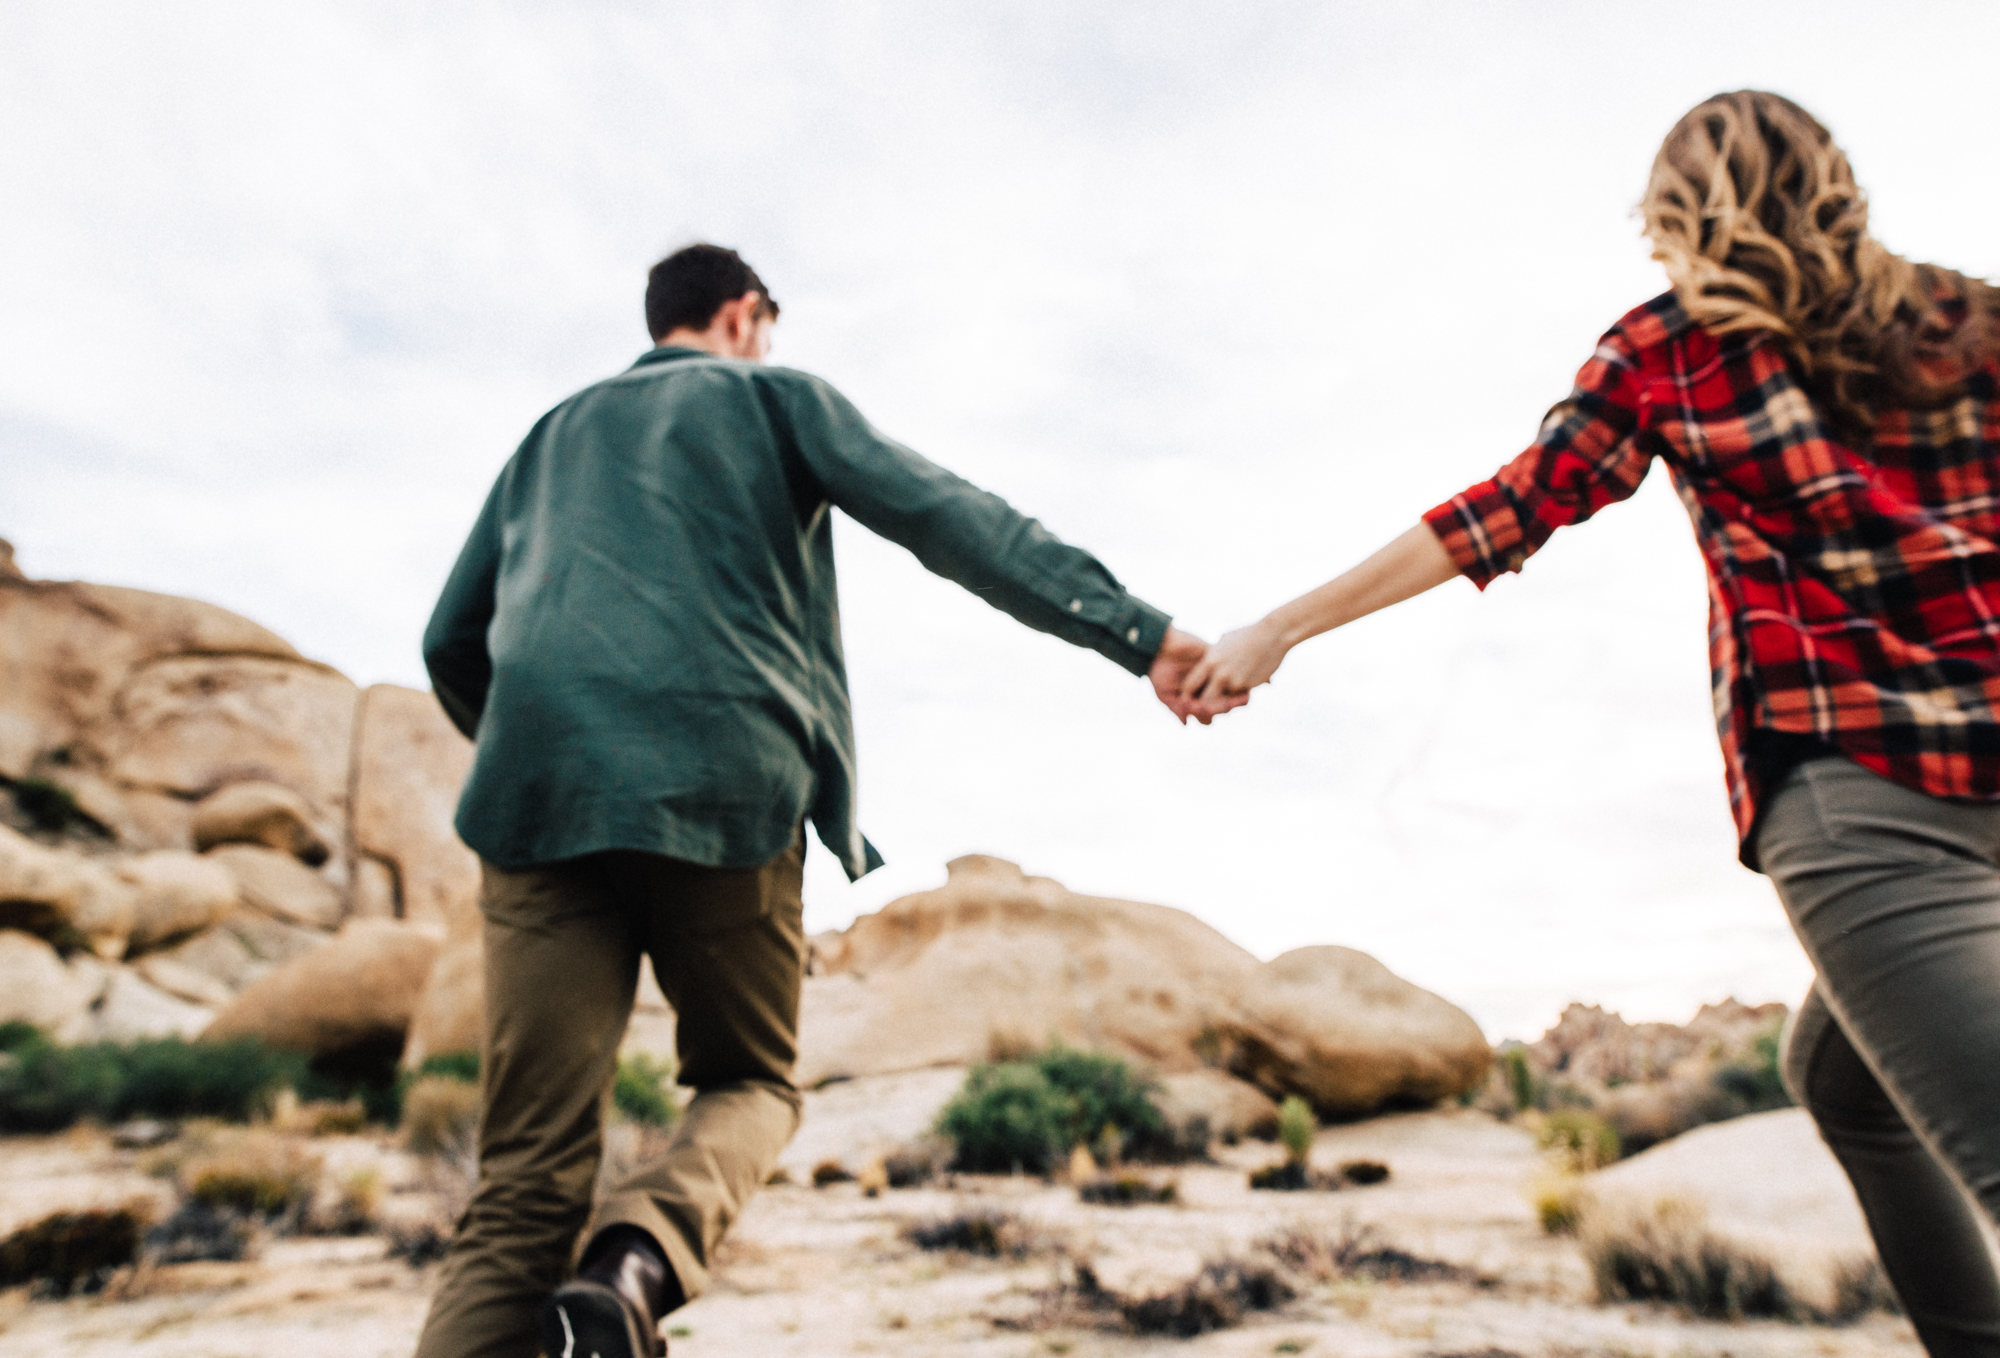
x: 1127, y: 1188
x: 441, y: 1118
x: 71, y: 1251
x: 985, y: 1231
x: 1666, y: 1252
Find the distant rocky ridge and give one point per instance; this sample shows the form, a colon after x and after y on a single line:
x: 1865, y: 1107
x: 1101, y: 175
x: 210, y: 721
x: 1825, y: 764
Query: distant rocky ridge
x: 203, y: 832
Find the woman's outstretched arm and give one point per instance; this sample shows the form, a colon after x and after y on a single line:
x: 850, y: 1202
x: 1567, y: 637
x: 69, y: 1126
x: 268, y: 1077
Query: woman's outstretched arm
x: 1247, y: 657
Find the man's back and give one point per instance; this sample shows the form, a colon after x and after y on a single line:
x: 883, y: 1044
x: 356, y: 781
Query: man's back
x: 644, y: 628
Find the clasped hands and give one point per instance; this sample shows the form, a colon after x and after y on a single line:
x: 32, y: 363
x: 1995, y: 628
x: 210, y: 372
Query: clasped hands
x: 1195, y: 679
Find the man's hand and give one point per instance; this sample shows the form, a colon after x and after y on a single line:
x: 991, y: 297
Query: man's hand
x: 1223, y: 678
x: 1179, y: 653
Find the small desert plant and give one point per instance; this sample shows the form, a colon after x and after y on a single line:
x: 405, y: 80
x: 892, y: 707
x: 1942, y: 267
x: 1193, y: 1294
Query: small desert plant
x: 441, y: 1117
x: 831, y: 1172
x: 1214, y: 1299
x: 1756, y: 1083
x: 1290, y: 1176
x: 356, y: 1203
x: 1362, y: 1173
x: 198, y: 1232
x: 1519, y: 1077
x: 1355, y: 1251
x: 250, y: 1170
x: 642, y: 1090
x: 1123, y: 1188
x: 916, y: 1162
x: 69, y: 1251
x: 1558, y: 1202
x: 1578, y: 1141
x: 1668, y: 1254
x: 988, y: 1231
x: 1296, y: 1128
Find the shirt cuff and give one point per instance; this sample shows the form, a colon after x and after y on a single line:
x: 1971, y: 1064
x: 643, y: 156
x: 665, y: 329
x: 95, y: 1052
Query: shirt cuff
x: 1136, y: 636
x: 1481, y: 532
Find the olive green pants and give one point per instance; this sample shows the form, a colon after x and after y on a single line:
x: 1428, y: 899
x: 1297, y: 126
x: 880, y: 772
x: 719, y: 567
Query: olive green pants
x: 1896, y: 897
x: 563, y: 944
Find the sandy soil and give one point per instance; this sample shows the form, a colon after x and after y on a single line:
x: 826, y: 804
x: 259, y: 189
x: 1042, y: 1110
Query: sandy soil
x: 827, y: 1271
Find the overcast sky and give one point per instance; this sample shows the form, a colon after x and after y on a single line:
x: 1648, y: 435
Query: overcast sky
x: 1228, y: 294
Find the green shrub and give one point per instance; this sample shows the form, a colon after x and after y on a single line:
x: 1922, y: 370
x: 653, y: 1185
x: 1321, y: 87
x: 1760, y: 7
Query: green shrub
x: 1026, y: 1115
x: 1520, y: 1076
x: 1757, y: 1084
x: 642, y: 1090
x: 460, y: 1066
x: 1296, y: 1128
x: 45, y: 1087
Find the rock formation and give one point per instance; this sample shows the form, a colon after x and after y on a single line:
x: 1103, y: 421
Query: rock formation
x: 201, y: 830
x: 188, y: 805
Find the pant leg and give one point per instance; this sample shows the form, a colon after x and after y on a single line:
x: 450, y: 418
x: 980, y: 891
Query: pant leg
x: 562, y: 963
x: 1924, y: 1225
x: 728, y: 949
x: 1896, y: 898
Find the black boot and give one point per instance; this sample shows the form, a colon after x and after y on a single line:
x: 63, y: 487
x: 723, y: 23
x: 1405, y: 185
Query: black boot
x: 614, y: 1305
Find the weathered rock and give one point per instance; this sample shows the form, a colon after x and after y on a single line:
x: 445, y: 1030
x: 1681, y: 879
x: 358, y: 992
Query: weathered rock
x: 272, y: 942
x: 1348, y: 1035
x: 35, y: 986
x: 281, y: 886
x: 410, y: 763
x: 174, y: 895
x: 1765, y: 1184
x: 191, y: 724
x: 257, y: 812
x: 373, y: 892
x: 220, y: 956
x: 132, y: 1009
x: 350, y: 1000
x: 8, y: 570
x: 183, y: 982
x: 1232, y: 1107
x: 67, y: 649
x: 50, y: 890
x: 996, y: 960
x: 450, y: 1016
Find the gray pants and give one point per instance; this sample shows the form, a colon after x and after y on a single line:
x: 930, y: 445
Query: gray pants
x: 1896, y: 1052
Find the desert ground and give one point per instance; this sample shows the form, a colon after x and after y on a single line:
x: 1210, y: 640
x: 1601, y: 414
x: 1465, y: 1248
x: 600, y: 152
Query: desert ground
x: 822, y: 1271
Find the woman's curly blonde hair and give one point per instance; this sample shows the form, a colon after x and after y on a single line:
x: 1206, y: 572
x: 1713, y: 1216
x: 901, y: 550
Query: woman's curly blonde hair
x: 1756, y: 215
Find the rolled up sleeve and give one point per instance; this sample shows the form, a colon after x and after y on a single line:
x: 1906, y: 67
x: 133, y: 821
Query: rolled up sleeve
x: 1589, y: 454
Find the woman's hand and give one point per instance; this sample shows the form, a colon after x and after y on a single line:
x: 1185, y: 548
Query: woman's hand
x: 1249, y: 656
x: 1239, y: 662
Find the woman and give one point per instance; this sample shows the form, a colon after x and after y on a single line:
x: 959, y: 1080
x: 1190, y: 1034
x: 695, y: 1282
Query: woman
x: 1830, y: 415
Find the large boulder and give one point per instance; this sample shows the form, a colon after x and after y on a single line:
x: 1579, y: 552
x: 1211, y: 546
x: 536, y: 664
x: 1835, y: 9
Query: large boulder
x: 410, y: 763
x: 174, y: 895
x: 451, y: 1013
x: 188, y: 725
x: 67, y: 649
x: 1348, y: 1035
x: 35, y: 986
x: 995, y: 960
x: 347, y: 1004
x: 55, y: 891
x: 257, y: 812
x: 280, y: 885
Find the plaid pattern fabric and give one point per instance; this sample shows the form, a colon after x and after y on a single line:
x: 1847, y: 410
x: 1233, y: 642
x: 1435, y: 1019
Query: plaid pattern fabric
x: 1853, y: 597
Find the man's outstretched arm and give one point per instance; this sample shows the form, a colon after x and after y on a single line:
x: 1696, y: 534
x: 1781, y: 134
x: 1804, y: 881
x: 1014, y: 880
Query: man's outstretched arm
x: 978, y: 540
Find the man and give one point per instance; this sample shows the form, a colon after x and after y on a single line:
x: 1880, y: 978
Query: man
x: 642, y: 635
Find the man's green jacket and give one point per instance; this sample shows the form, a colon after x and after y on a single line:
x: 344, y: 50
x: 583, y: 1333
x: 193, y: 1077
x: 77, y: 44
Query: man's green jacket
x: 643, y: 631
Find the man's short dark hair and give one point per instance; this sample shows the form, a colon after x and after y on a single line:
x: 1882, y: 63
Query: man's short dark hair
x: 690, y: 285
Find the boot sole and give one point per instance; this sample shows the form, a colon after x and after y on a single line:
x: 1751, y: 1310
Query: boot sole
x: 589, y: 1320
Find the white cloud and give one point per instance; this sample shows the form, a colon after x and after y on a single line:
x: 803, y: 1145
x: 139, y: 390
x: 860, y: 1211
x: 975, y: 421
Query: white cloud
x: 1227, y: 294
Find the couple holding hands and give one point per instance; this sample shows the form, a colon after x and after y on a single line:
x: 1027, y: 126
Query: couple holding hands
x: 642, y: 637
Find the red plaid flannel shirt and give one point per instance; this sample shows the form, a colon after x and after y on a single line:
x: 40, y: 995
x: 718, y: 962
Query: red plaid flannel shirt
x: 1853, y: 597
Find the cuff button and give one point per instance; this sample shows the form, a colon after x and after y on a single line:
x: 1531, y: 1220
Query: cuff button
x: 1133, y: 636
x: 1076, y: 605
